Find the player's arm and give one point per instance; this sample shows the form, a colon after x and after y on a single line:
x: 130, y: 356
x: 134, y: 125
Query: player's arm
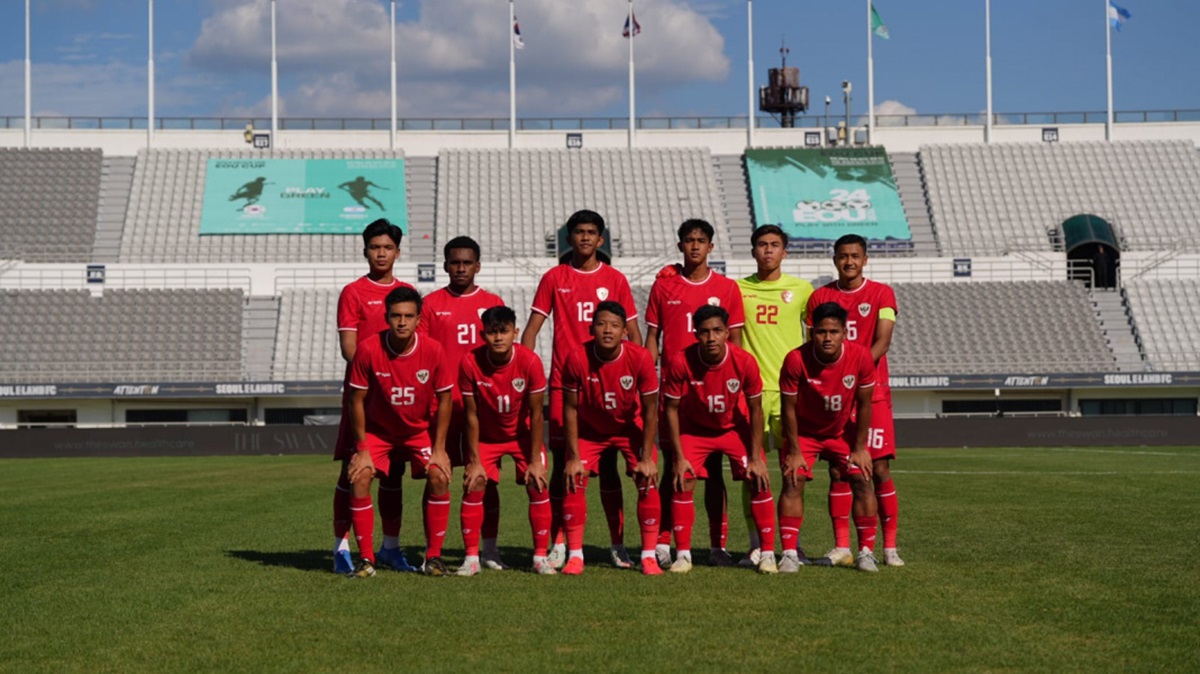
x: 474, y: 477
x: 860, y: 455
x: 793, y: 461
x: 651, y: 343
x: 530, y: 333
x: 438, y: 456
x: 883, y: 334
x: 646, y: 471
x: 537, y: 418
x: 361, y: 461
x: 756, y: 467
x: 632, y: 332
x: 680, y: 464
x: 574, y: 471
x: 348, y: 340
x: 735, y: 335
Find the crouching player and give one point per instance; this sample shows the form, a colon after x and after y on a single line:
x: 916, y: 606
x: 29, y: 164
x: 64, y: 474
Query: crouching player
x: 822, y: 383
x: 503, y: 387
x: 610, y: 404
x: 714, y: 404
x: 394, y: 379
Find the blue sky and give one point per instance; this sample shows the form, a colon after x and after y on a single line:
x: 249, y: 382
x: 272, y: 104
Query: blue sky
x: 212, y: 56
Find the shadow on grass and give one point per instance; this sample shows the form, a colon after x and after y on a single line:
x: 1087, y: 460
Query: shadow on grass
x: 303, y: 560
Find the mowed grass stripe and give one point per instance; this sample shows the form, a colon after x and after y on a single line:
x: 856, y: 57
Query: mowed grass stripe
x: 1078, y: 560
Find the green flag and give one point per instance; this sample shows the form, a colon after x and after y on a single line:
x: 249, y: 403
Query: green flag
x: 877, y: 25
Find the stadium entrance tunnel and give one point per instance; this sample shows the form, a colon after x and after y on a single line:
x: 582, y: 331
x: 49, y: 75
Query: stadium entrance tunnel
x: 1092, y: 250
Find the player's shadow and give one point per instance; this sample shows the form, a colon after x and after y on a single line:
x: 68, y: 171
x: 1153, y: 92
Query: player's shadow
x: 303, y: 560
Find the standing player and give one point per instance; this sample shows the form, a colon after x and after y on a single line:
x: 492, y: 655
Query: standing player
x: 823, y: 383
x: 451, y: 316
x: 360, y: 316
x: 677, y: 293
x: 610, y: 398
x: 775, y: 305
x: 570, y: 292
x: 503, y: 387
x: 871, y: 307
x: 713, y: 391
x: 396, y: 378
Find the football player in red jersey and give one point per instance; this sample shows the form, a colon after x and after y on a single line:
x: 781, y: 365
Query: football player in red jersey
x: 503, y: 387
x: 570, y: 292
x: 395, y: 378
x: 610, y: 398
x: 823, y: 384
x: 451, y: 316
x: 871, y: 310
x: 360, y: 316
x: 678, y: 291
x: 713, y: 391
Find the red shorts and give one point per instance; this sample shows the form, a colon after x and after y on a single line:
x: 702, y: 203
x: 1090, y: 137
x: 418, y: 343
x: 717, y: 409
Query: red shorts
x: 882, y: 439
x: 416, y: 449
x: 591, y: 449
x: 697, y: 449
x: 491, y: 453
x: 834, y: 451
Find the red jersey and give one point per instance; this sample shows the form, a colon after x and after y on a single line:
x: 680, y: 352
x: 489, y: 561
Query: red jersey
x: 863, y: 304
x: 674, y: 299
x: 401, y: 387
x: 825, y: 392
x: 710, y: 395
x: 452, y: 320
x: 502, y: 392
x: 360, y: 306
x: 610, y: 392
x: 571, y: 296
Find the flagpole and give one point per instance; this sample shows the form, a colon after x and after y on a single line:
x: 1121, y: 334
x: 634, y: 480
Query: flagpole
x: 512, y: 74
x: 392, y: 27
x: 1108, y: 119
x: 632, y: 37
x: 870, y: 82
x: 28, y: 83
x: 987, y: 124
x: 274, y: 84
x: 150, y: 80
x: 750, y: 72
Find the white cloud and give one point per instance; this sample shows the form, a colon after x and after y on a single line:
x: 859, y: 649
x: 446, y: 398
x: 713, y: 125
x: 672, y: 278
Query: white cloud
x: 453, y: 60
x: 891, y: 113
x: 112, y: 89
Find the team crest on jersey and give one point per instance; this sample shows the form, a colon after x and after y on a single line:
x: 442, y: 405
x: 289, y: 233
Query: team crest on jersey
x: 422, y: 376
x: 864, y: 309
x: 714, y: 301
x: 787, y: 297
x: 602, y: 293
x: 733, y: 385
x: 519, y: 384
x: 626, y: 382
x: 848, y: 381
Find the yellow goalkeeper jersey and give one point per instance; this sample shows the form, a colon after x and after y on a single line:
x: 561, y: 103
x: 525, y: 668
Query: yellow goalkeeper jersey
x: 774, y: 321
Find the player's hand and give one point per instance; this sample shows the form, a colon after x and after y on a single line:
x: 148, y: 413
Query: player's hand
x: 795, y: 469
x: 683, y: 468
x: 441, y: 460
x: 862, y: 458
x: 535, y: 474
x: 360, y: 463
x: 574, y: 473
x: 474, y: 476
x: 756, y: 470
x: 645, y: 474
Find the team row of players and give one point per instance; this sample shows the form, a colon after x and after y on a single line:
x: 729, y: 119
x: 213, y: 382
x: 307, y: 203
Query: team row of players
x: 603, y: 395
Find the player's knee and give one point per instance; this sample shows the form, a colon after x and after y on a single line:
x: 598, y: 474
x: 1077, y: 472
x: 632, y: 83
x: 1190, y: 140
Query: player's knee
x: 439, y: 482
x: 792, y: 491
x: 883, y: 470
x: 689, y: 484
x: 361, y: 483
x: 859, y: 482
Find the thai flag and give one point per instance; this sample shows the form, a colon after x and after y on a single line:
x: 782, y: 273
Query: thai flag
x: 517, y: 41
x: 637, y: 27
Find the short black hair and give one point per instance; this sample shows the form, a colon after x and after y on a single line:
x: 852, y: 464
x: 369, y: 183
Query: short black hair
x: 692, y: 225
x: 764, y: 230
x: 585, y: 217
x: 382, y: 227
x: 850, y: 240
x: 829, y: 310
x: 611, y: 307
x: 403, y: 294
x: 498, y: 317
x: 707, y: 312
x: 461, y: 242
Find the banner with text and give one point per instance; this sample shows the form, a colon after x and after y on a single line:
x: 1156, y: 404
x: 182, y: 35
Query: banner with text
x: 817, y: 195
x: 302, y: 196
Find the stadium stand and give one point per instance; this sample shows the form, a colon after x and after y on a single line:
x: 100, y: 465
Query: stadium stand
x: 49, y: 202
x: 163, y: 222
x: 306, y: 345
x: 910, y: 183
x: 155, y: 335
x: 524, y: 196
x: 1165, y: 314
x: 989, y: 199
x: 730, y: 172
x: 997, y: 327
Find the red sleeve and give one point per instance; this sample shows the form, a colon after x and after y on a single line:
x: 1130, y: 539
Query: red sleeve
x: 427, y: 316
x: 571, y: 376
x: 790, y: 374
x: 733, y: 300
x: 675, y: 377
x: 360, y: 370
x: 625, y: 297
x: 866, y: 369
x: 652, y: 309
x: 347, y: 311
x: 535, y: 373
x: 543, y: 299
x: 466, y: 377
x: 443, y: 379
x: 647, y: 378
x: 752, y: 383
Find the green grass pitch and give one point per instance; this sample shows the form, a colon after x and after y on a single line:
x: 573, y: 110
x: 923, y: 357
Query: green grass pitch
x: 1046, y: 559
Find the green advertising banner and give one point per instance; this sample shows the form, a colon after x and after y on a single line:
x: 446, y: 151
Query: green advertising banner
x: 817, y: 195
x: 302, y: 196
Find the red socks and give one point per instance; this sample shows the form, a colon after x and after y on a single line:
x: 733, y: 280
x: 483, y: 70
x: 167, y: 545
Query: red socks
x: 762, y: 508
x: 491, y: 511
x: 789, y: 531
x: 391, y: 508
x: 437, y: 518
x: 683, y: 513
x: 885, y: 494
x: 866, y: 531
x: 841, y: 500
x: 363, y: 516
x: 472, y: 518
x: 649, y: 512
x: 540, y: 519
x: 613, y: 500
x: 575, y: 515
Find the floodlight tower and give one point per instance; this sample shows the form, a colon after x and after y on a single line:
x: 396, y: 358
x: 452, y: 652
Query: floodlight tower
x: 783, y: 94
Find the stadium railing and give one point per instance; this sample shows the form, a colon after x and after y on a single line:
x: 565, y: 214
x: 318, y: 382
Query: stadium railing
x: 122, y: 277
